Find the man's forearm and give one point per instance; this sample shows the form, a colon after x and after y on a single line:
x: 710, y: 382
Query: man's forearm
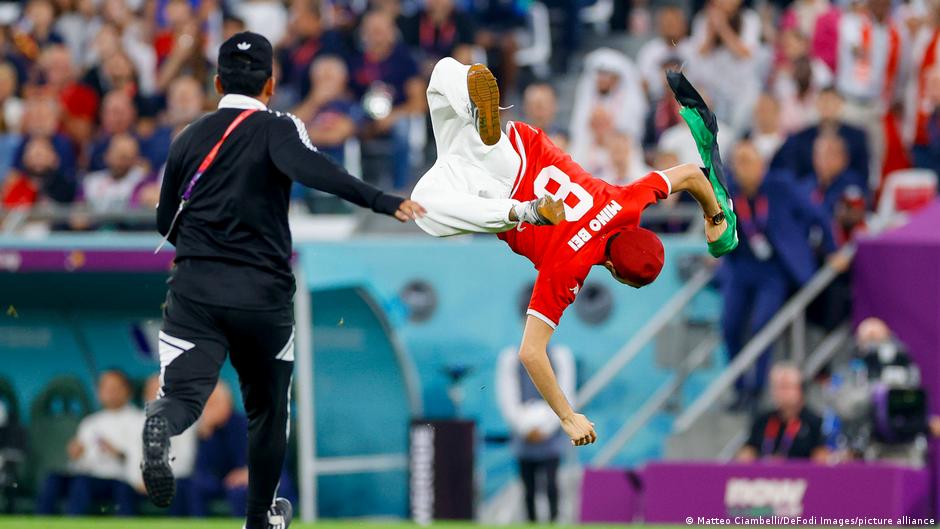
x: 540, y: 371
x: 689, y: 177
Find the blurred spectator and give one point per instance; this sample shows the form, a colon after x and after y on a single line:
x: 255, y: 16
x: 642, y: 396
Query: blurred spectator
x: 664, y: 109
x: 121, y: 63
x: 185, y: 103
x: 221, y: 469
x: 840, y: 194
x: 726, y: 47
x: 36, y: 30
x: 774, y: 257
x: 118, y: 116
x: 609, y: 85
x: 79, y: 103
x: 870, y: 64
x: 671, y: 43
x: 387, y: 81
x: 925, y: 150
x: 267, y: 17
x: 99, y: 454
x: 115, y: 188
x: 498, y: 25
x: 790, y: 430
x: 182, y: 455
x: 11, y: 116
x: 623, y: 162
x: 923, y: 92
x: 439, y: 30
x: 767, y: 133
x: 180, y: 46
x: 41, y: 179
x: 537, y: 441
x: 797, y: 80
x: 41, y: 119
x: 306, y: 40
x: 796, y: 154
x: 803, y: 15
x: 832, y: 179
x: 540, y: 108
x: 331, y: 116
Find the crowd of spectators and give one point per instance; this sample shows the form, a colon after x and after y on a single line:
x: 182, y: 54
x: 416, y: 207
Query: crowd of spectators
x: 92, y: 93
x: 209, y: 459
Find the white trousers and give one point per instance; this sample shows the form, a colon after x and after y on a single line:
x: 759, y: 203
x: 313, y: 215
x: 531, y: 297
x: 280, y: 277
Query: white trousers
x: 467, y: 189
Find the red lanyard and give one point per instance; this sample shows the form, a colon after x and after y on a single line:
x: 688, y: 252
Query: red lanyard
x: 426, y: 33
x: 206, y: 162
x: 756, y: 222
x: 773, y: 429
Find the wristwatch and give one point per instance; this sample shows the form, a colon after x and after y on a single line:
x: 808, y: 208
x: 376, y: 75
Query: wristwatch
x: 717, y: 218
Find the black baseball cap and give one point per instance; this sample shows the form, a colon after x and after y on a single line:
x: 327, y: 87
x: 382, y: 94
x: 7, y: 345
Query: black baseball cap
x: 246, y: 51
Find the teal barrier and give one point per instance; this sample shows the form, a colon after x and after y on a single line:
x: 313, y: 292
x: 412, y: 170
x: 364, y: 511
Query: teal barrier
x: 76, y: 322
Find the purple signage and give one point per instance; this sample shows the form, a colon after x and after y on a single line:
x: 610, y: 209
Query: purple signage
x: 77, y: 260
x: 609, y: 495
x: 781, y: 493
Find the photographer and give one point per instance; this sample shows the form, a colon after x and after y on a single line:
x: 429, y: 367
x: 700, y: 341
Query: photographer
x: 880, y: 402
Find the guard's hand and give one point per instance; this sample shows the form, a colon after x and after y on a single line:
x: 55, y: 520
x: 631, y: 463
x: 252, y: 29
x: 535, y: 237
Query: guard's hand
x: 551, y: 209
x: 409, y: 210
x: 579, y: 429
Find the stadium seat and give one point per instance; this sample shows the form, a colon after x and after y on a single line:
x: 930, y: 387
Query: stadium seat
x: 906, y: 191
x: 54, y: 418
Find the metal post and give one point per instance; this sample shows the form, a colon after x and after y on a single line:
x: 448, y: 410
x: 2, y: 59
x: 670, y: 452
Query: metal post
x: 306, y: 425
x: 798, y: 339
x: 642, y: 338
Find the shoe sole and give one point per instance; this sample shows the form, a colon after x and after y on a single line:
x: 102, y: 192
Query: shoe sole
x: 484, y: 94
x: 158, y: 476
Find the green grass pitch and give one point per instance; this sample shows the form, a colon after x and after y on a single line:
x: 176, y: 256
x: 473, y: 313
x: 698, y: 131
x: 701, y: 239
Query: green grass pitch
x: 165, y: 523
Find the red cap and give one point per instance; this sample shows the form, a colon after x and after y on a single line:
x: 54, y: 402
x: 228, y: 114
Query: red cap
x: 637, y: 255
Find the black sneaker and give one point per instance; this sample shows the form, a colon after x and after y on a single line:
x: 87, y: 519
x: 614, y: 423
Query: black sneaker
x: 158, y: 476
x: 281, y: 514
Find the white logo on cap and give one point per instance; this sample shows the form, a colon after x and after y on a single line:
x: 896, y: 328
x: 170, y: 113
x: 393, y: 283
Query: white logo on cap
x: 243, y: 45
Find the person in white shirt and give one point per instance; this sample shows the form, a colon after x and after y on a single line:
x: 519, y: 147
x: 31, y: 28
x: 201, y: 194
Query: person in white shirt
x: 672, y: 42
x: 611, y: 83
x: 537, y: 441
x: 767, y: 133
x: 115, y: 189
x: 182, y: 456
x: 727, y: 59
x: 100, y: 448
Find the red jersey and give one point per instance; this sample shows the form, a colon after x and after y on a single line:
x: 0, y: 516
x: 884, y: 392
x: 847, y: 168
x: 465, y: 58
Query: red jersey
x: 594, y: 210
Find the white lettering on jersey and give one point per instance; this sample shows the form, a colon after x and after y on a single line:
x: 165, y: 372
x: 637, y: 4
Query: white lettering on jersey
x: 600, y: 220
x: 605, y: 215
x: 577, y: 242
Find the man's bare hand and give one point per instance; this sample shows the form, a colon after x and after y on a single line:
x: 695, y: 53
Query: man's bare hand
x: 713, y: 232
x: 579, y: 429
x: 409, y: 210
x: 551, y: 209
x: 75, y: 449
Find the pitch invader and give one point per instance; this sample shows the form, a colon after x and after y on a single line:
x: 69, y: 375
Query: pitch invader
x: 550, y: 210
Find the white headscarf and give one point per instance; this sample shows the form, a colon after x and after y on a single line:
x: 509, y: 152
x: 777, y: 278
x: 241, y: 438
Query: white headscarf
x: 626, y: 102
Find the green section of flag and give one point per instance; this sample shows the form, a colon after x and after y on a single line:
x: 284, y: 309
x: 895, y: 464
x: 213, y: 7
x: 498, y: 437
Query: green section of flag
x: 705, y: 140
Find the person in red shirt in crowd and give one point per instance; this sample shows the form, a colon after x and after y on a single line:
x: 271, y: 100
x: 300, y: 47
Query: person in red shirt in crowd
x: 546, y: 208
x: 79, y: 102
x: 41, y: 178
